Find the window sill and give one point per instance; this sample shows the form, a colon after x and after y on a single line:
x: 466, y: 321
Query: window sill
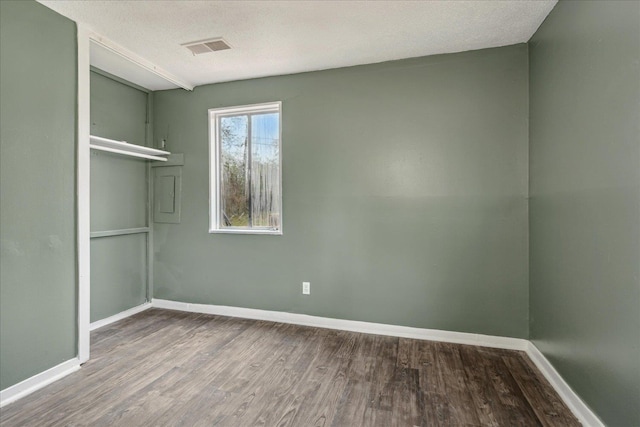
x: 240, y: 231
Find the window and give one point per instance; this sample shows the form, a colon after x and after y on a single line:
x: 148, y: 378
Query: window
x: 245, y: 168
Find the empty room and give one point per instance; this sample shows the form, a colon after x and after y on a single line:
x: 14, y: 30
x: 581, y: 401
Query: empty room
x: 320, y: 213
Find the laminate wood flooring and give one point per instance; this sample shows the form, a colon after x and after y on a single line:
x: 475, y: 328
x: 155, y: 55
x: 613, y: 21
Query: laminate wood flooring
x: 167, y: 368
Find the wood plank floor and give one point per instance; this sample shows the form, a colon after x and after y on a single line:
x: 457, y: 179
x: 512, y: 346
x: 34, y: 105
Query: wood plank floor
x: 166, y: 368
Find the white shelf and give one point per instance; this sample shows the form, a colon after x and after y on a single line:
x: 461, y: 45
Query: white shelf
x: 123, y: 147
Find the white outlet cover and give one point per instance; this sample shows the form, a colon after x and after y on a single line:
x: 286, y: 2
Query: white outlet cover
x: 306, y: 288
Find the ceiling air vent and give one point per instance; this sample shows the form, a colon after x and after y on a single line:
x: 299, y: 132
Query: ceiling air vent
x: 206, y: 46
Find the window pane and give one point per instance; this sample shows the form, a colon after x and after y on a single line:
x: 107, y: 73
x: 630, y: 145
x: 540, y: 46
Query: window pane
x: 234, y: 200
x: 245, y: 191
x: 265, y: 170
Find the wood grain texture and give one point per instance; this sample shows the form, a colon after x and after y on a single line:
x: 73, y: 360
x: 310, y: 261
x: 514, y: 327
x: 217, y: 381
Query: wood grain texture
x: 167, y: 368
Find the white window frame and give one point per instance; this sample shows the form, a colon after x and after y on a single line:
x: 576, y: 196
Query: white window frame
x: 215, y: 220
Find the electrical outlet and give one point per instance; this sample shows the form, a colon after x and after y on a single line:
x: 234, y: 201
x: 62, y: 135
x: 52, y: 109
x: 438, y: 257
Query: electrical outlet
x: 306, y: 288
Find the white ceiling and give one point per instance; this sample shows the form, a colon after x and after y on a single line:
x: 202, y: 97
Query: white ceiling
x: 283, y: 37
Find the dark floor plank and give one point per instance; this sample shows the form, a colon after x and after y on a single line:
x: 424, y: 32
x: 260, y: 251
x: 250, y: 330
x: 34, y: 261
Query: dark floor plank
x: 407, y: 398
x: 542, y: 399
x: 355, y: 404
x: 255, y: 348
x: 489, y: 407
x: 515, y: 406
x: 382, y: 380
x: 353, y: 408
x: 322, y: 385
x: 455, y: 402
x: 268, y: 392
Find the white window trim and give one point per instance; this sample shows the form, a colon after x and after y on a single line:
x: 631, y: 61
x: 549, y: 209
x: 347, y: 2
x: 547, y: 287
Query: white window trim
x: 214, y: 167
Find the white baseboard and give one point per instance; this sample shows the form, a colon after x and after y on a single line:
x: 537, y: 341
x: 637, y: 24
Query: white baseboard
x: 584, y: 414
x: 36, y: 382
x: 348, y: 325
x: 122, y: 315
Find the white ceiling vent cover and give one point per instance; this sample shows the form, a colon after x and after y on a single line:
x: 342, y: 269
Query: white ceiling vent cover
x: 206, y: 46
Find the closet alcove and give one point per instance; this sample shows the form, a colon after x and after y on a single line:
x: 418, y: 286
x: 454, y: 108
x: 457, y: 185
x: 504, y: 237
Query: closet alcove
x: 122, y: 156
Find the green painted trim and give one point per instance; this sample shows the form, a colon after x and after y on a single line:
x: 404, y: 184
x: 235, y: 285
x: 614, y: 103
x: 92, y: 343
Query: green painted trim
x: 174, y: 159
x: 149, y: 121
x: 123, y: 232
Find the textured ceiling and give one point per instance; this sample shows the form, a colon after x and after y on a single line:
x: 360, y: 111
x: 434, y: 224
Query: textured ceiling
x: 283, y: 37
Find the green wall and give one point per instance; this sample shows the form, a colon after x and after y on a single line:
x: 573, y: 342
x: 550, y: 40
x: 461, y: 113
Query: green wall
x: 37, y: 185
x: 118, y: 199
x: 405, y: 196
x: 585, y: 202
